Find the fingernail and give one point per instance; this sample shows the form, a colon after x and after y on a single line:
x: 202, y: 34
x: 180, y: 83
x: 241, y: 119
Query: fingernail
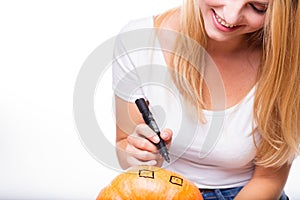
x: 155, y: 139
x: 164, y: 135
x: 152, y: 162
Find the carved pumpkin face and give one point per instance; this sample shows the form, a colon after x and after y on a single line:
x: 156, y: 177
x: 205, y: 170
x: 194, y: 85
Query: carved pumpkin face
x: 149, y: 182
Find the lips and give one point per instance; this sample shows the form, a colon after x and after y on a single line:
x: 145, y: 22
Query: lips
x: 221, y: 24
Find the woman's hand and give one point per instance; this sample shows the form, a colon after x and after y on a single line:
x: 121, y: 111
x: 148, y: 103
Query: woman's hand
x: 141, y: 149
x: 135, y: 141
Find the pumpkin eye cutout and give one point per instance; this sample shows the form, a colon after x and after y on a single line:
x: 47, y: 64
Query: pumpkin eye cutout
x: 176, y: 180
x: 146, y: 173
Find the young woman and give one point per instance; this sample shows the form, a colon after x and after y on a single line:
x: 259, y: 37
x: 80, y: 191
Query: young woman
x: 254, y: 46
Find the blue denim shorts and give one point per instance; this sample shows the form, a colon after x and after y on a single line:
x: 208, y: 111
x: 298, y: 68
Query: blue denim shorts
x: 227, y: 194
x: 220, y: 194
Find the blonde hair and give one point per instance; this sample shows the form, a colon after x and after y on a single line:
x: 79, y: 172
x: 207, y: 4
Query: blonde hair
x: 277, y: 99
x: 277, y: 103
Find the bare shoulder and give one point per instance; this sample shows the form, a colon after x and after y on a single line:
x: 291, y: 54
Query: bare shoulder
x: 168, y: 20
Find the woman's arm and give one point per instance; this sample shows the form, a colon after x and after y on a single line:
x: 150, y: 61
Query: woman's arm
x: 266, y: 183
x: 134, y: 138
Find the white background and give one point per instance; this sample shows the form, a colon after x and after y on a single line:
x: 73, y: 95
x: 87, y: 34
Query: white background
x: 42, y: 47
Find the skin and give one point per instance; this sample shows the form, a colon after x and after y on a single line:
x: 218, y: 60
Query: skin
x: 228, y: 49
x: 243, y: 14
x: 136, y: 148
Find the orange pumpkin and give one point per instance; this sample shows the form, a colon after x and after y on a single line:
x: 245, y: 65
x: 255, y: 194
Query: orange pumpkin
x: 149, y: 182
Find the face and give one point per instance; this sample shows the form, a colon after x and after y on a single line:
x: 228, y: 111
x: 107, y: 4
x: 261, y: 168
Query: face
x: 230, y: 19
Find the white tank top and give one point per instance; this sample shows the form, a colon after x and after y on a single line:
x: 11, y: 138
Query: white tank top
x: 217, y: 154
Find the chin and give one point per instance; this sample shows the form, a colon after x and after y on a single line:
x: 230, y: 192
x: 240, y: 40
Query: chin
x: 219, y: 38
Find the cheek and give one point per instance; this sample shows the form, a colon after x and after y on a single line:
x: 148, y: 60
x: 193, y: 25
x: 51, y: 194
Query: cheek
x: 257, y: 22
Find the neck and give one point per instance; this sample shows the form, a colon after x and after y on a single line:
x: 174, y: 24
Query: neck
x: 227, y: 48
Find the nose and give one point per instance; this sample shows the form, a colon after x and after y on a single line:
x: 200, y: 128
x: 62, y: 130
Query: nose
x: 232, y: 12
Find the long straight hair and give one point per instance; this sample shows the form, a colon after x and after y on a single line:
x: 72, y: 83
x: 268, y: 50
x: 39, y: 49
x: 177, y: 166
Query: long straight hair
x: 277, y: 102
x: 277, y: 98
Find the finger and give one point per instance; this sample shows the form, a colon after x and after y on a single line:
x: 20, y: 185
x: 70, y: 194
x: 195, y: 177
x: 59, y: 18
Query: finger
x: 141, y: 155
x: 145, y: 131
x: 135, y: 162
x: 141, y: 143
x: 166, y: 135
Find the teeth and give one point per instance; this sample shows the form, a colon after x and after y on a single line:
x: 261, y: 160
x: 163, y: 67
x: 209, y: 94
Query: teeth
x: 221, y: 21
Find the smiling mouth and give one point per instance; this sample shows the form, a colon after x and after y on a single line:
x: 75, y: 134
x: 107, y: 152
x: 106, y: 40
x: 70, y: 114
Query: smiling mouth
x: 223, y: 22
